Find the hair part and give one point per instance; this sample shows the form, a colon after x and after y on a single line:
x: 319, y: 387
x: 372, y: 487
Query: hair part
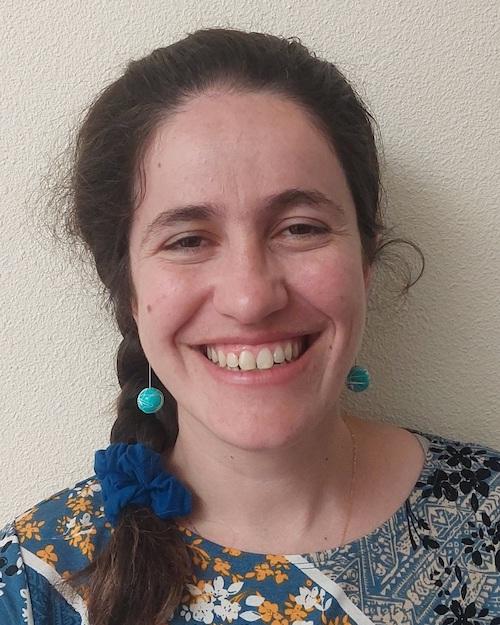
x: 139, y: 576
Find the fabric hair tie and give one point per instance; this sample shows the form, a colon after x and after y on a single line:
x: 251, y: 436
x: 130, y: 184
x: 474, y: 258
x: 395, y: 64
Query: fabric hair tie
x: 133, y: 474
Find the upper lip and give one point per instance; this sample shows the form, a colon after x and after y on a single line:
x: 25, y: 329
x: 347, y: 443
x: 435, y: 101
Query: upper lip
x: 254, y: 339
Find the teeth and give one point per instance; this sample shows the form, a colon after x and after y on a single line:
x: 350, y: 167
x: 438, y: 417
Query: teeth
x: 279, y: 354
x: 221, y: 357
x: 247, y: 361
x: 264, y: 359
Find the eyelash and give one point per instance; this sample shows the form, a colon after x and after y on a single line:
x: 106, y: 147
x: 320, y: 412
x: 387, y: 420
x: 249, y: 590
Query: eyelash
x: 176, y: 245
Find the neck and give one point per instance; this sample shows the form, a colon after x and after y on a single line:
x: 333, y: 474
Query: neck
x: 241, y: 496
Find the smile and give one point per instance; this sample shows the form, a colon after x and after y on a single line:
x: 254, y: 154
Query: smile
x: 258, y: 357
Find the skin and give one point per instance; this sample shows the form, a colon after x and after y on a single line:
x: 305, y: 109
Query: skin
x: 263, y: 446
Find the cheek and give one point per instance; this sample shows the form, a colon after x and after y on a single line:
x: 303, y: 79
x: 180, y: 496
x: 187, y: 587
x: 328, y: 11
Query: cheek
x: 165, y: 302
x: 334, y: 286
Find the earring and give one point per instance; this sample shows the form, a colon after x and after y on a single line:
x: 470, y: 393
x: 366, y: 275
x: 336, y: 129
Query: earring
x: 150, y: 399
x: 358, y: 379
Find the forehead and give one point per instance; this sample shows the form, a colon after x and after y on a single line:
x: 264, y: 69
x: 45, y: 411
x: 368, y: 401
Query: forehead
x: 234, y: 148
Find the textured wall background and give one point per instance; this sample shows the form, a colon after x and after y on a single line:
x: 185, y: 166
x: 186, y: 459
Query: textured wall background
x: 430, y: 73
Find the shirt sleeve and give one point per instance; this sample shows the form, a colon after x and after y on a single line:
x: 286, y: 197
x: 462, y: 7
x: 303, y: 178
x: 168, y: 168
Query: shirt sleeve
x: 15, y: 601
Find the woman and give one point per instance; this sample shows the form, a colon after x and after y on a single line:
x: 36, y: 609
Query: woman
x: 227, y: 187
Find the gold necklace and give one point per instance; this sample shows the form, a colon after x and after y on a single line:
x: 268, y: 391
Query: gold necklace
x: 353, y: 475
x: 351, y: 489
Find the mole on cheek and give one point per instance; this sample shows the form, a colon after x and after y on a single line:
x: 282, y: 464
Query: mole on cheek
x: 149, y: 308
x: 159, y: 163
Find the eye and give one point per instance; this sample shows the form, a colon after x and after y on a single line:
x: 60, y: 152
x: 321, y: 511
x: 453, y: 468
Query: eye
x: 303, y: 230
x: 186, y: 244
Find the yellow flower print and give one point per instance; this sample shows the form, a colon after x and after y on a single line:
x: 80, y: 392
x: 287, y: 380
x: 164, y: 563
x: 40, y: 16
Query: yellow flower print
x: 28, y: 530
x: 62, y: 524
x: 277, y: 560
x: 87, y: 547
x: 263, y: 570
x: 199, y: 556
x: 277, y: 564
x: 232, y: 552
x: 280, y: 577
x: 90, y: 489
x: 81, y: 536
x: 74, y: 536
x: 260, y: 572
x: 79, y: 504
x: 221, y: 566
x: 269, y: 612
x: 48, y: 554
x: 345, y: 620
x: 204, y: 595
x: 295, y: 612
x: 237, y: 577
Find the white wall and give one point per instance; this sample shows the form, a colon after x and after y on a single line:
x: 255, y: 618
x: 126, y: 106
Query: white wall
x: 430, y: 72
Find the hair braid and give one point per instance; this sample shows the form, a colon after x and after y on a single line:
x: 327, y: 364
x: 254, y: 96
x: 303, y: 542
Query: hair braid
x: 141, y: 543
x: 158, y: 431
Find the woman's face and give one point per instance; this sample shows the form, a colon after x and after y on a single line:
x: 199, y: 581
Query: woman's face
x: 246, y: 241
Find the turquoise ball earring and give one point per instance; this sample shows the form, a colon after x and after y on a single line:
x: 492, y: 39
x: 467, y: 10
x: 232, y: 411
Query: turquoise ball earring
x: 358, y: 379
x: 150, y: 399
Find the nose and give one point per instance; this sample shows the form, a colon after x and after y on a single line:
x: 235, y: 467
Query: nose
x: 250, y: 286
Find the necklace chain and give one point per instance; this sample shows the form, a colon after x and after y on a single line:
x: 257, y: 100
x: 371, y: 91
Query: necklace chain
x: 353, y: 475
x: 351, y: 488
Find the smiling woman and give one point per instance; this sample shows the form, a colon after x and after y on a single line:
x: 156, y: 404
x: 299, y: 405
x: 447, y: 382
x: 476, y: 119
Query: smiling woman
x: 227, y: 188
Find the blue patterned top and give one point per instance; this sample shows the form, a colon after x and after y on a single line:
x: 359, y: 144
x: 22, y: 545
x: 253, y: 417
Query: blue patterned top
x: 435, y: 561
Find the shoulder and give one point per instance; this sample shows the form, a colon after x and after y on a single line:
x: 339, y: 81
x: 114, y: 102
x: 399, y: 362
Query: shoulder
x: 458, y: 497
x: 41, y: 547
x: 65, y: 529
x: 460, y: 471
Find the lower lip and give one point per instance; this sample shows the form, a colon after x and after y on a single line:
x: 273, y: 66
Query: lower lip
x: 278, y: 374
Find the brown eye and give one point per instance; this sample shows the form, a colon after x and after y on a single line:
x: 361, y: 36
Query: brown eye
x: 189, y: 241
x: 186, y: 243
x: 302, y: 230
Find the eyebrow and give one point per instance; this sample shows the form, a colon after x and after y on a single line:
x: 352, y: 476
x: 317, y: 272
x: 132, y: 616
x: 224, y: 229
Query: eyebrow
x: 276, y: 203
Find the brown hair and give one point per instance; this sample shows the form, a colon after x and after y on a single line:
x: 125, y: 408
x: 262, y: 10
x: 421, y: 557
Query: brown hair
x: 138, y: 577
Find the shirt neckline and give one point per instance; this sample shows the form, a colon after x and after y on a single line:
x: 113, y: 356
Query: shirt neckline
x: 212, y: 546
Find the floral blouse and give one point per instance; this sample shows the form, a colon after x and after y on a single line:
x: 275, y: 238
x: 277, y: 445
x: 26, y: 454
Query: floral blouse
x: 435, y: 561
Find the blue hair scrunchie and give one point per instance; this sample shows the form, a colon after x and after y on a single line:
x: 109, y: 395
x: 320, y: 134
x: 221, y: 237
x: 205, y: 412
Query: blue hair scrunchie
x: 133, y: 474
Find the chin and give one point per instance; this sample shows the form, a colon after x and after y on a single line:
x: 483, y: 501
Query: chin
x: 262, y: 432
